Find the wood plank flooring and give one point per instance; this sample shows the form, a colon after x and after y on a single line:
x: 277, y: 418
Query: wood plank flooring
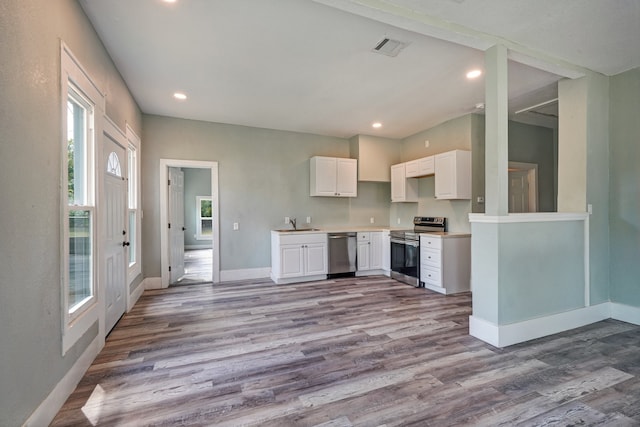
x: 346, y: 352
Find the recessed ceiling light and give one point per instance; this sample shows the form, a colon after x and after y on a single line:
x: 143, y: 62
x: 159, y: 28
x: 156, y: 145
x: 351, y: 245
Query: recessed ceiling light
x: 376, y: 125
x: 474, y: 74
x: 169, y: 1
x: 180, y: 96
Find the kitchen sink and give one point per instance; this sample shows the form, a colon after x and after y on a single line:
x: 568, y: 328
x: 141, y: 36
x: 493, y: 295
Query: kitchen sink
x: 291, y: 230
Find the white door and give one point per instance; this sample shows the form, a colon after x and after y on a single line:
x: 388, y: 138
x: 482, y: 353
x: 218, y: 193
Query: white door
x: 116, y: 239
x: 518, y: 191
x: 176, y: 224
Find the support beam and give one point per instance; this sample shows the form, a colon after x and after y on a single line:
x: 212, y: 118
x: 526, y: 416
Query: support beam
x: 496, y: 130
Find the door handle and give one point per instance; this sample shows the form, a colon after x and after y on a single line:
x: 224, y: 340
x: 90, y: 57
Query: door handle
x: 125, y: 244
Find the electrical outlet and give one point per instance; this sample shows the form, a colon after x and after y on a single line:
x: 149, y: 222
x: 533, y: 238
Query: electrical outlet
x: 480, y: 199
x: 426, y: 144
x: 235, y: 226
x: 287, y: 220
x: 398, y: 220
x: 372, y: 220
x: 308, y: 220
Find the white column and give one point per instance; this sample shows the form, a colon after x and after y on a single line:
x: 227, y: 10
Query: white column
x: 496, y: 131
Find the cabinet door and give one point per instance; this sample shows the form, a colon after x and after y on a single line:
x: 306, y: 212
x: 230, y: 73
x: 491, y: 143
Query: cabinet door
x: 445, y: 166
x: 291, y: 261
x: 347, y: 177
x: 363, y: 255
x: 397, y: 183
x: 376, y: 251
x: 426, y: 166
x: 412, y: 169
x: 453, y: 175
x: 315, y: 259
x: 324, y: 173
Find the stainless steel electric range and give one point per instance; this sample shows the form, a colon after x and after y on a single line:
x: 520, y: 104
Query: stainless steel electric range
x: 405, y: 248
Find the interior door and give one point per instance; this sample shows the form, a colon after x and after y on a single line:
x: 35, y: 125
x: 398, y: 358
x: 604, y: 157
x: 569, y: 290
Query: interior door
x: 115, y: 240
x: 518, y: 191
x: 176, y: 224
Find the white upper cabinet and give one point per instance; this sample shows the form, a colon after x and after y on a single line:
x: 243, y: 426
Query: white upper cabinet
x: 420, y: 167
x: 453, y: 175
x: 403, y: 189
x: 334, y: 177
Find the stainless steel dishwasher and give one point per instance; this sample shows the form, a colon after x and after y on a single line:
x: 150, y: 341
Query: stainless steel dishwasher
x: 342, y: 253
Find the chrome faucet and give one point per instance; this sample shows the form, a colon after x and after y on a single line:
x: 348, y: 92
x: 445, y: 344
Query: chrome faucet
x: 293, y: 222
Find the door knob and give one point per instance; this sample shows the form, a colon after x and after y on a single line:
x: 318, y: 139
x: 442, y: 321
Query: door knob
x: 125, y: 244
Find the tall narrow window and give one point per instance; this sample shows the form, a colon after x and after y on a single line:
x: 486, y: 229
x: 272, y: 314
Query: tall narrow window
x: 82, y: 109
x: 133, y: 205
x: 79, y: 202
x: 204, y: 220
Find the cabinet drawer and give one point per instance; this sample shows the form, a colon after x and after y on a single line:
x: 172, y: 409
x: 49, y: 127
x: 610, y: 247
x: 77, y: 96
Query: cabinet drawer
x: 430, y: 257
x: 430, y: 242
x: 364, y: 236
x: 302, y: 238
x: 432, y: 276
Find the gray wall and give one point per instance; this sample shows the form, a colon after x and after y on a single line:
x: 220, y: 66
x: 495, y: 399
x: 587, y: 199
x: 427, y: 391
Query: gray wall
x: 624, y: 195
x: 30, y: 170
x: 263, y: 177
x: 451, y: 135
x: 197, y: 182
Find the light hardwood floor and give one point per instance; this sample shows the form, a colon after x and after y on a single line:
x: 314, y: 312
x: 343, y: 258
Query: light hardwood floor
x: 346, y: 352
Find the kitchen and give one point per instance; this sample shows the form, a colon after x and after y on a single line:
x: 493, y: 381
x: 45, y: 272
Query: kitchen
x: 264, y: 177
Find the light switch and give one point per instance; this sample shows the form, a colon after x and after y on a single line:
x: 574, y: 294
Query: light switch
x: 308, y: 220
x: 235, y: 226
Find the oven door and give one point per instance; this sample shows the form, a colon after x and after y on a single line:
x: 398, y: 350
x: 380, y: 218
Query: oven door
x: 405, y: 261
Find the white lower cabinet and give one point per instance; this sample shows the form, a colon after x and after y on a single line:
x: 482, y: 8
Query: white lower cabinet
x: 370, y: 252
x: 445, y: 262
x: 298, y: 256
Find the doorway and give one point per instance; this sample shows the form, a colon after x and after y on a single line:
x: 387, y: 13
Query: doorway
x: 175, y: 256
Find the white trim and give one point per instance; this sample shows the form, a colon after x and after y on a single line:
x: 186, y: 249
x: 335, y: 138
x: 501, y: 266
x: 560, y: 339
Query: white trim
x: 49, y: 407
x: 284, y: 281
x: 152, y: 283
x: 625, y: 313
x: 514, y: 333
x: 165, y: 164
x: 528, y: 217
x: 135, y: 296
x: 245, y: 274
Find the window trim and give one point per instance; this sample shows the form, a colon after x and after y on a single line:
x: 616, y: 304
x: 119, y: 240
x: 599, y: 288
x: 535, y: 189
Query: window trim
x: 199, y: 235
x: 73, y: 77
x: 133, y: 143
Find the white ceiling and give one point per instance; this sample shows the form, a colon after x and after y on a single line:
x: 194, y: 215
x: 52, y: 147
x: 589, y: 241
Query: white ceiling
x: 308, y: 65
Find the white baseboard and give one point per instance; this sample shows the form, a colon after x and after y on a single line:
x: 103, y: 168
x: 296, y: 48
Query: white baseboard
x: 514, y: 333
x: 135, y: 295
x: 152, y: 282
x: 46, y: 412
x: 244, y: 274
x: 625, y: 313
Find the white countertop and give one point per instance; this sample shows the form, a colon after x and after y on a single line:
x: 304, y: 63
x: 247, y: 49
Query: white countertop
x: 333, y: 229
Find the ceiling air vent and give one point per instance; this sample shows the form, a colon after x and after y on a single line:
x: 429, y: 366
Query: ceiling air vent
x: 389, y: 47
